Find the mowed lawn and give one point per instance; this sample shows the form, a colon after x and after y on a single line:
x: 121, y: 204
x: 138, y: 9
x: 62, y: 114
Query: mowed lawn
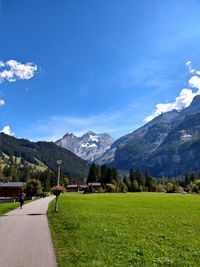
x: 6, y: 207
x: 133, y: 229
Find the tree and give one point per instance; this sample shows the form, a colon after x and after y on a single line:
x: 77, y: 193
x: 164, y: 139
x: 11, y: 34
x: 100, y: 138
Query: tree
x: 65, y: 181
x: 7, y: 171
x: 140, y: 178
x: 33, y: 187
x: 132, y: 175
x: 149, y: 182
x: 122, y: 187
x: 127, y: 182
x: 94, y: 174
x: 187, y: 180
x: 170, y: 187
x: 103, y: 174
x: 135, y: 186
x: 192, y: 177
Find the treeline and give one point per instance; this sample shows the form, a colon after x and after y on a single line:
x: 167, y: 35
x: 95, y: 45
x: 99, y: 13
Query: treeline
x: 138, y: 181
x: 111, y: 180
x: 13, y: 172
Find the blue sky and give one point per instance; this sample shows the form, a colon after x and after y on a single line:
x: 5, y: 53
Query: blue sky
x: 101, y: 65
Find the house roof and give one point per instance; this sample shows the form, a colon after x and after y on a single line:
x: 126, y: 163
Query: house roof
x: 94, y: 184
x: 72, y: 186
x: 12, y: 184
x: 83, y: 186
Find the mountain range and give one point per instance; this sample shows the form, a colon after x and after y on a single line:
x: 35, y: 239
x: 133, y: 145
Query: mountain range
x: 169, y: 145
x: 90, y: 146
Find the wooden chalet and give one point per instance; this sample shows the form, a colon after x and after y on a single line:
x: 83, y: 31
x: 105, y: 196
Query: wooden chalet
x: 10, y: 189
x: 95, y: 186
x: 72, y: 188
x: 82, y: 187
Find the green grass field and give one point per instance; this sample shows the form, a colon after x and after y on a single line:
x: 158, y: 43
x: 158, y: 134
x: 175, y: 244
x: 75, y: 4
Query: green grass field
x: 133, y: 229
x: 6, y: 207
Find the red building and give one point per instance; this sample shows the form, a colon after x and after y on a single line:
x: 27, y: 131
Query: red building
x: 10, y: 189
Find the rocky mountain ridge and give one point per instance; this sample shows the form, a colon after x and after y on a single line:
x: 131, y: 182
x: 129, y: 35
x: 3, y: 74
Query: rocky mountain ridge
x: 89, y: 146
x: 167, y: 146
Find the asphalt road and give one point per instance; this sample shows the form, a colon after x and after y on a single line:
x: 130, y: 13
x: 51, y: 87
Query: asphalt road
x: 25, y: 239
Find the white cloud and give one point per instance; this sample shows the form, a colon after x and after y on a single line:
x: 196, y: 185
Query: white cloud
x: 7, y: 130
x: 183, y: 100
x: 1, y: 64
x: 2, y: 102
x: 13, y: 70
x: 194, y: 81
x: 191, y: 69
x: 148, y: 118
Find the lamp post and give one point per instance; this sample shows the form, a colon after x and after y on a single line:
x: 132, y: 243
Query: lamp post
x: 59, y: 162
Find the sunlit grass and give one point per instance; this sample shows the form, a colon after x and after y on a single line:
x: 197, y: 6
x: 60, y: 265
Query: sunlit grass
x: 134, y: 229
x: 6, y: 207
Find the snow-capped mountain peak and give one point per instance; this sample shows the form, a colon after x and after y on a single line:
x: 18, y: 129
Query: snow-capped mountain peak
x: 89, y: 146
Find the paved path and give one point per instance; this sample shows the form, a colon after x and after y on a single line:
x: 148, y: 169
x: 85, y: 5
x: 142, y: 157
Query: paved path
x: 25, y: 239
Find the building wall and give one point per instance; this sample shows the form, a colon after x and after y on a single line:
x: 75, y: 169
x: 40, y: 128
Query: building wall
x: 9, y: 191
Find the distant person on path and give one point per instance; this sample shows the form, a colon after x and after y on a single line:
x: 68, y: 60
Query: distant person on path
x: 21, y: 200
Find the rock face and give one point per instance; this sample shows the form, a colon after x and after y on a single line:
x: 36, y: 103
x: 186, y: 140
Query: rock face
x: 89, y: 146
x: 169, y: 145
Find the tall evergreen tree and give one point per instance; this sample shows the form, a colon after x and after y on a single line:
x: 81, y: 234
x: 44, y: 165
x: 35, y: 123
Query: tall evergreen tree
x: 140, y: 177
x: 149, y: 183
x: 103, y: 174
x: 132, y: 175
x: 93, y: 175
x: 127, y: 181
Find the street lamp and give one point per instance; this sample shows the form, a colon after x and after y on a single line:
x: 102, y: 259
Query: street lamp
x: 59, y: 162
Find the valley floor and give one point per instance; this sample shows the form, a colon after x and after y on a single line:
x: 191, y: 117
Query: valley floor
x: 133, y: 229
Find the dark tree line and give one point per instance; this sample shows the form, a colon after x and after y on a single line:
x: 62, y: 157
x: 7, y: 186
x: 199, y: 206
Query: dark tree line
x: 102, y: 174
x: 138, y: 181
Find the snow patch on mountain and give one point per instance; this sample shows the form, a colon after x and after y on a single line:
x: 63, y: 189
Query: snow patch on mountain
x: 93, y: 138
x: 88, y: 145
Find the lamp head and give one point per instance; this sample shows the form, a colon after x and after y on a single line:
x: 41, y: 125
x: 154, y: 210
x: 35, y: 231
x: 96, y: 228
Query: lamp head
x: 59, y: 162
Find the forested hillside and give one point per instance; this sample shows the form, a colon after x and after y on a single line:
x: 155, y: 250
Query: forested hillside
x: 40, y: 155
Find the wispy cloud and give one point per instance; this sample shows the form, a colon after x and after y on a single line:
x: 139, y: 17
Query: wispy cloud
x: 184, y: 99
x: 55, y: 127
x: 191, y: 69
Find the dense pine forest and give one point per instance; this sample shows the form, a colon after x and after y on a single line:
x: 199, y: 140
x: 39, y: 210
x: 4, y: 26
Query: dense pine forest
x: 138, y: 181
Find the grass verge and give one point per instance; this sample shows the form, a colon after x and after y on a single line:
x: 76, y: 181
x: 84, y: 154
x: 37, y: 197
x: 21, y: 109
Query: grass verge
x: 6, y: 207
